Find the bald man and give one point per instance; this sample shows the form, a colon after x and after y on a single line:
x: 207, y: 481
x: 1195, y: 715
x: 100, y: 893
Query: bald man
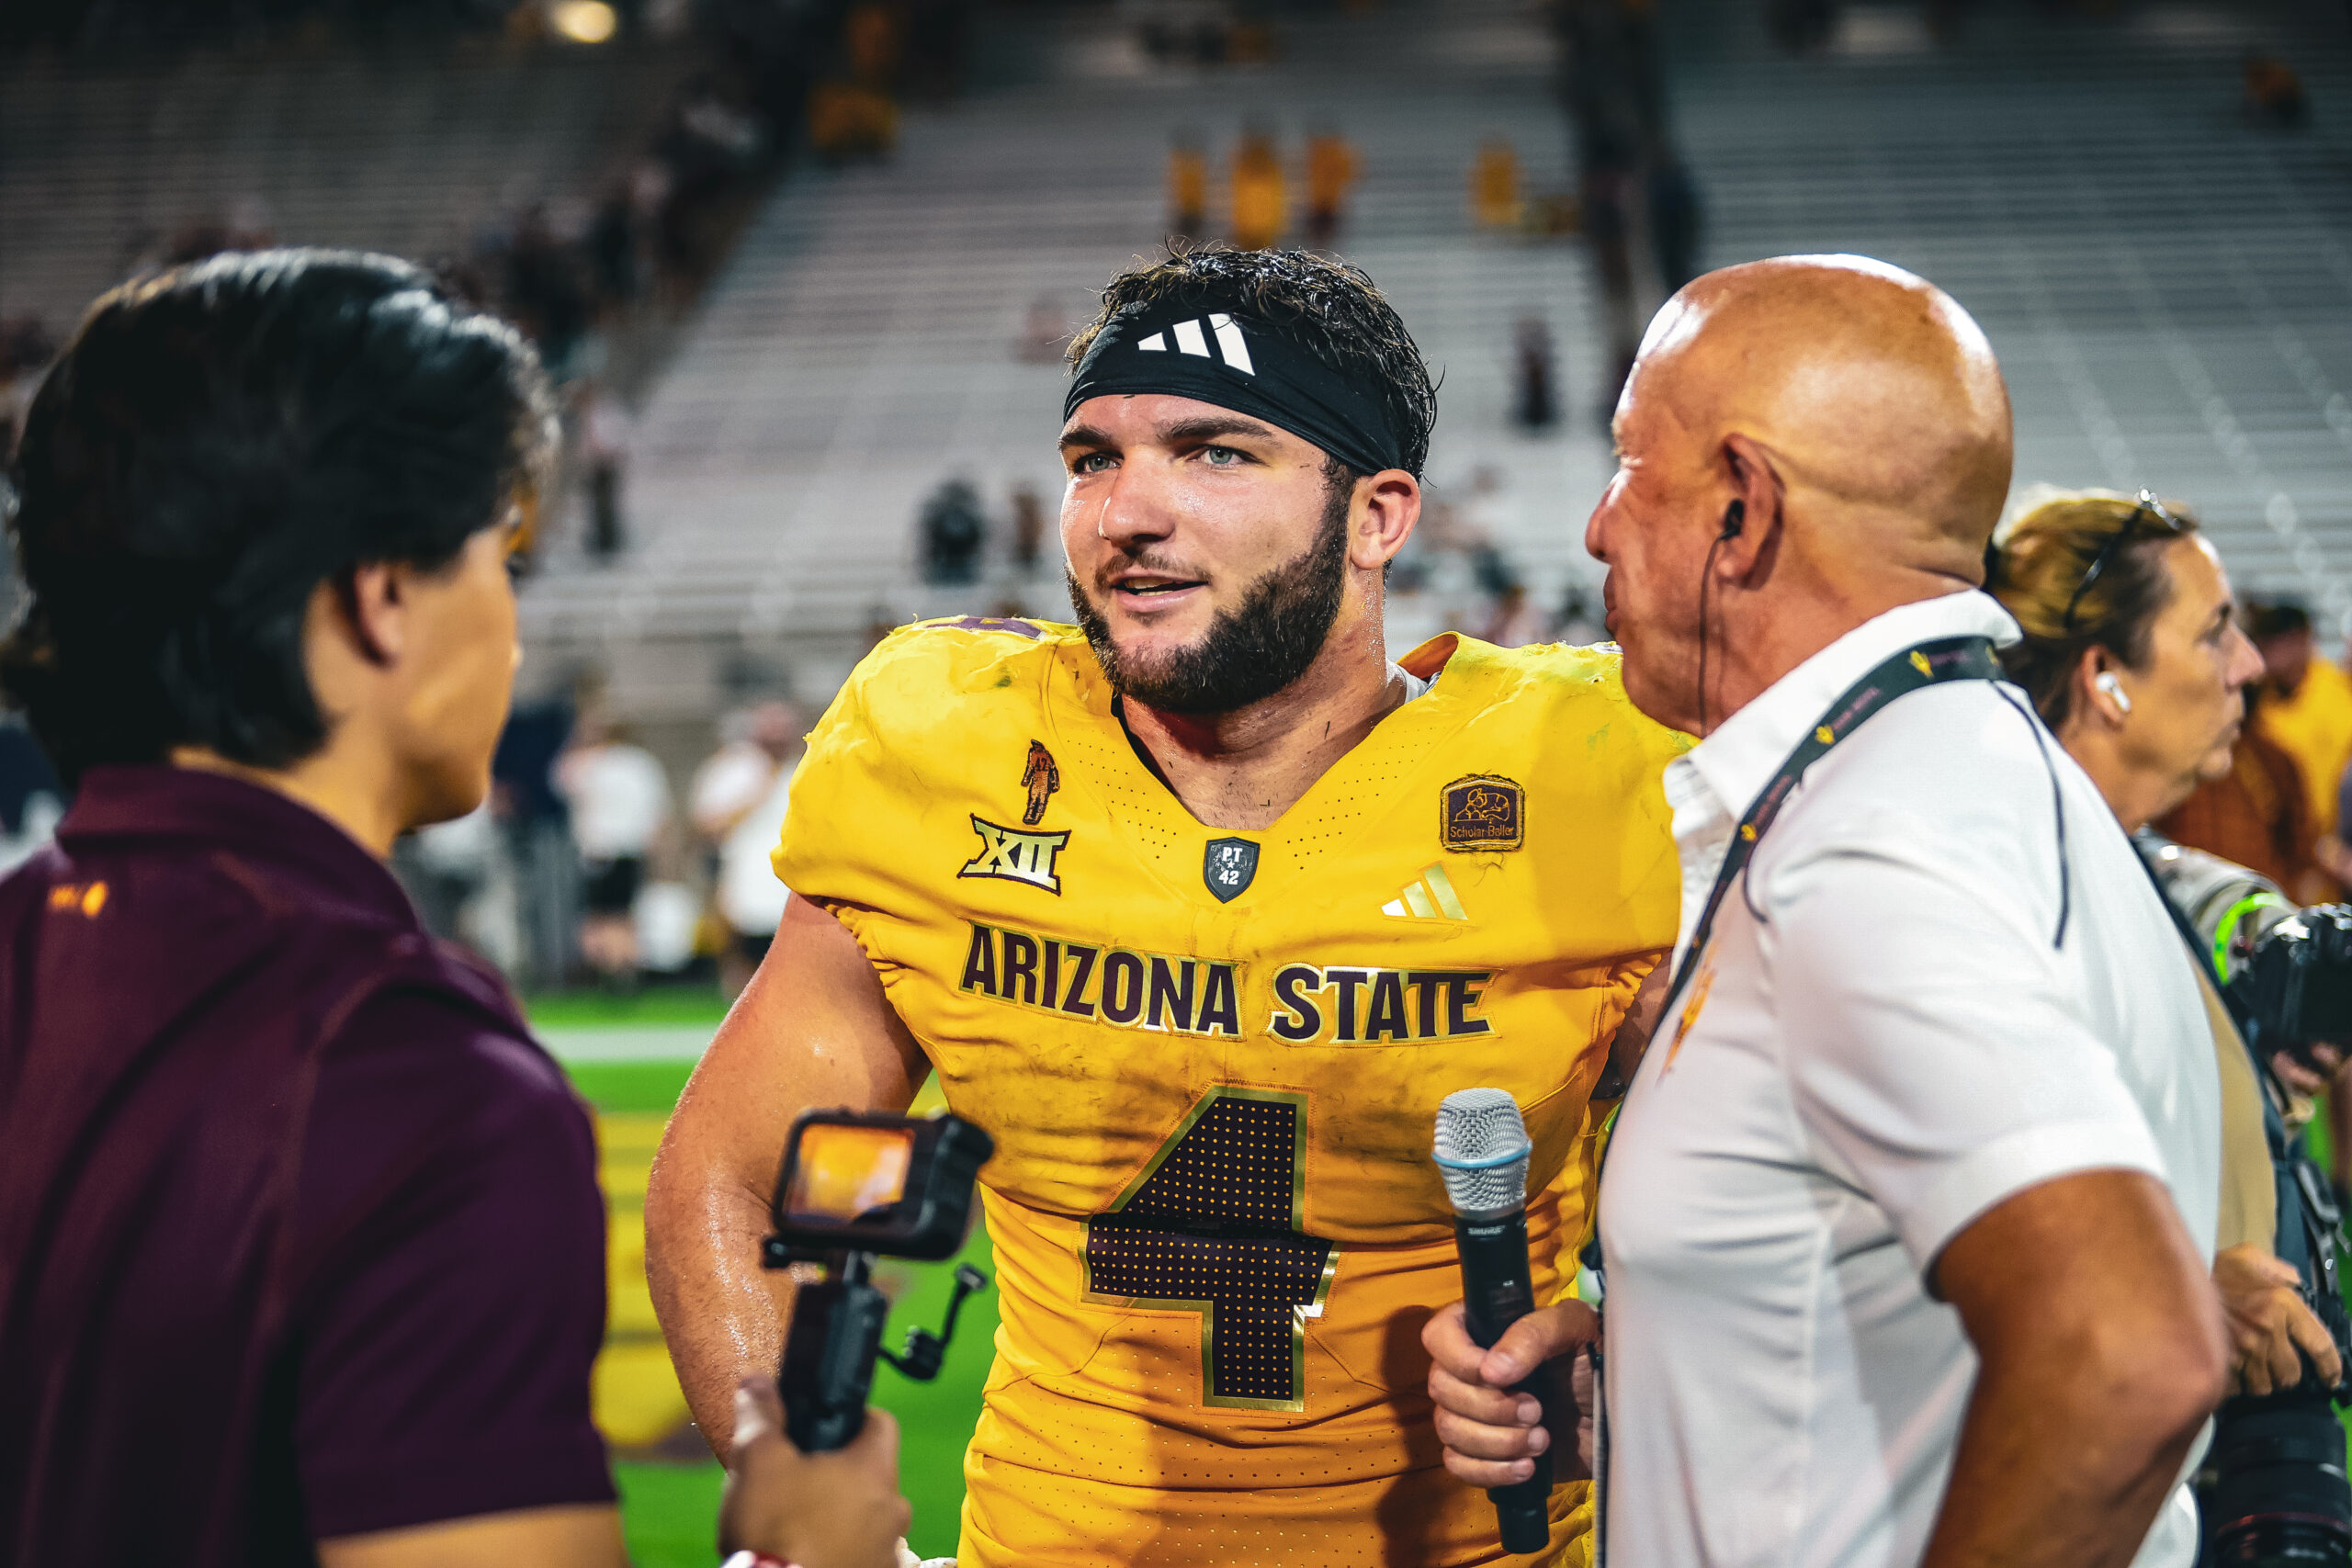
x: 1909, y: 1208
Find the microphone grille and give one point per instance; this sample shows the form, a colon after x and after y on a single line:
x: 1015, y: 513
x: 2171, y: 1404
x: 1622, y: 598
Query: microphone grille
x: 1482, y: 1151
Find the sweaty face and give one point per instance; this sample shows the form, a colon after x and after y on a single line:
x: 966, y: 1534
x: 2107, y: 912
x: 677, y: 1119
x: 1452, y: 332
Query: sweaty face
x: 1651, y: 529
x: 2186, y: 701
x: 1207, y: 551
x: 459, y: 678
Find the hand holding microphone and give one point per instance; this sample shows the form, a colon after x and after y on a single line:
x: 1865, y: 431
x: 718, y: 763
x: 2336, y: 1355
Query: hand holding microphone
x: 1490, y: 1353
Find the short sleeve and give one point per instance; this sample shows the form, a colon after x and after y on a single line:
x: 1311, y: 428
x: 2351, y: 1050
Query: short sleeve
x: 837, y: 784
x: 1934, y: 1061
x: 455, y: 1294
x: 867, y: 796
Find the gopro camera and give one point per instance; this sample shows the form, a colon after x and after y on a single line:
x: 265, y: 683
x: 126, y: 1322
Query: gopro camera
x: 854, y: 1186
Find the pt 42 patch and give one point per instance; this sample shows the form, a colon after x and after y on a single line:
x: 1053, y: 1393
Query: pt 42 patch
x: 1228, y: 866
x: 1480, y: 813
x: 1015, y: 856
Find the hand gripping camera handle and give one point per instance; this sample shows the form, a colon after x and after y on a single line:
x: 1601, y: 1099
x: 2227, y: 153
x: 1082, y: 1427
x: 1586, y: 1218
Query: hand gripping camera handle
x: 829, y: 1361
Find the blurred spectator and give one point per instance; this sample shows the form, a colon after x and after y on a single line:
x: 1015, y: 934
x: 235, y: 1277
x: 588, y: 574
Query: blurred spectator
x: 952, y: 532
x: 2274, y: 94
x: 1579, y: 626
x: 1801, y: 26
x: 26, y: 349
x: 735, y: 778
x: 938, y: 43
x: 2256, y: 814
x: 1043, y: 332
x: 846, y: 121
x: 872, y: 39
x: 620, y: 813
x: 1494, y: 186
x: 750, y: 898
x: 536, y: 822
x: 1613, y: 85
x: 1028, y: 528
x: 31, y: 799
x: 1535, y: 404
x: 2303, y: 706
x: 546, y: 289
x: 1331, y: 169
x: 603, y: 447
x: 1673, y: 222
x: 613, y: 245
x: 247, y: 227
x: 1513, y: 619
x: 445, y: 867
x: 1261, y: 205
x: 1188, y: 187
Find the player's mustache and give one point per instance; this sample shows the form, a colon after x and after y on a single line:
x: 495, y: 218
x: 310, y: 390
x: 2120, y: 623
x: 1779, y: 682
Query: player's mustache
x: 1146, y: 562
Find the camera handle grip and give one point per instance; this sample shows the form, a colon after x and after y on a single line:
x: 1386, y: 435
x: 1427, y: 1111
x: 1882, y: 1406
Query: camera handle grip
x: 827, y: 1369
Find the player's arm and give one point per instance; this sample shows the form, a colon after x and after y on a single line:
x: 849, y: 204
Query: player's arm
x: 813, y: 1029
x: 1631, y: 1041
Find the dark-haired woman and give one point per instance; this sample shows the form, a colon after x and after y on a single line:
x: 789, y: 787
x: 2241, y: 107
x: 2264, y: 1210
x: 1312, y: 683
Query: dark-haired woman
x: 301, y: 1256
x: 2132, y: 653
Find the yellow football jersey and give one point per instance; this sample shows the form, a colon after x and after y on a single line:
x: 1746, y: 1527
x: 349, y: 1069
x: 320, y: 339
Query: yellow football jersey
x: 1212, y: 1062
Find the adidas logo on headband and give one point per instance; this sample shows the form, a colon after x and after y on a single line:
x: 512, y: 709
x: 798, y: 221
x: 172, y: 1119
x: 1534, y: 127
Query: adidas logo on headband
x: 1191, y: 339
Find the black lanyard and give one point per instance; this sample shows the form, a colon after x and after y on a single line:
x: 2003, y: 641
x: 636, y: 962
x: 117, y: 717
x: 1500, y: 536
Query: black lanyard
x: 1928, y: 664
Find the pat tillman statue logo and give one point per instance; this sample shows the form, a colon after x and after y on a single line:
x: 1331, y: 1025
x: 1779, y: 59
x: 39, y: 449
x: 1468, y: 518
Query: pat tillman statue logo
x: 1040, y: 777
x: 1228, y: 866
x: 1481, y: 813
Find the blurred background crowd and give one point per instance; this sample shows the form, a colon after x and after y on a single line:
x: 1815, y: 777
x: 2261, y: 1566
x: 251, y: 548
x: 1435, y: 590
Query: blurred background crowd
x: 804, y: 270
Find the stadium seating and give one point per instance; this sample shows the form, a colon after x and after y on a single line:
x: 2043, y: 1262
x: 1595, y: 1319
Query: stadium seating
x: 2167, y: 285
x: 403, y: 148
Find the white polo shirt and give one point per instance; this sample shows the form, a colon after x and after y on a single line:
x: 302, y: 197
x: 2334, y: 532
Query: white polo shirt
x: 1886, y: 1038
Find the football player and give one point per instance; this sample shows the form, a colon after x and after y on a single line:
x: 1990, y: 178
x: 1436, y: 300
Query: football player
x: 1199, y: 907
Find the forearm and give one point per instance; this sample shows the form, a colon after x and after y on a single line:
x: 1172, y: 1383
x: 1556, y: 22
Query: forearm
x: 722, y: 1314
x: 2060, y: 1476
x: 813, y: 1029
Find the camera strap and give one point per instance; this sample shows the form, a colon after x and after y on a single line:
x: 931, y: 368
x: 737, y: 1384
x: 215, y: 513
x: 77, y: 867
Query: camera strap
x: 1927, y: 664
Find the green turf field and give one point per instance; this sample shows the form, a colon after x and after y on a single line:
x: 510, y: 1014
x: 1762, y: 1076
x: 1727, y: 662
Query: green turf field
x: 668, y: 1508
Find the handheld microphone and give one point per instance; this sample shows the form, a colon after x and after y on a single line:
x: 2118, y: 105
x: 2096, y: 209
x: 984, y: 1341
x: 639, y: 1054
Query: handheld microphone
x: 1481, y: 1153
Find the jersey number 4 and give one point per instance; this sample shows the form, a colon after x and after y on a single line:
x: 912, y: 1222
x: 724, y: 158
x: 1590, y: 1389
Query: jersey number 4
x: 1213, y: 1225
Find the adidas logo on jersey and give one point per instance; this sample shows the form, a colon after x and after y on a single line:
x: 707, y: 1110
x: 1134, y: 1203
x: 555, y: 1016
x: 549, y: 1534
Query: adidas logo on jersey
x: 1191, y: 339
x: 1429, y: 897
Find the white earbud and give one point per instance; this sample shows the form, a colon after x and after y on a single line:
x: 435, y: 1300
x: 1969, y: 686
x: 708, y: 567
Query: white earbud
x: 2112, y: 684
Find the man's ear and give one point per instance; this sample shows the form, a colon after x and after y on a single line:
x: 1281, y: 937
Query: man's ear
x: 372, y: 602
x: 1381, y: 518
x: 1753, y: 516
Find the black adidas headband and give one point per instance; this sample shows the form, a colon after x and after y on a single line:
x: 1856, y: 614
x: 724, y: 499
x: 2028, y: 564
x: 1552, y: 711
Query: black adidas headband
x: 1239, y: 364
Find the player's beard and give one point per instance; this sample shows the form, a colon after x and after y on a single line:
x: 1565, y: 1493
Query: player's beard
x: 1250, y: 651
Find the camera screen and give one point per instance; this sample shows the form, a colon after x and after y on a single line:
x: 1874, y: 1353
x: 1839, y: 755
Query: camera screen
x: 843, y: 1173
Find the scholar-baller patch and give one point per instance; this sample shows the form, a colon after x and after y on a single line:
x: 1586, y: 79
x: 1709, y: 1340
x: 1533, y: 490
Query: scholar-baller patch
x: 1040, y: 777
x: 1228, y: 866
x: 1480, y: 813
x: 1015, y: 856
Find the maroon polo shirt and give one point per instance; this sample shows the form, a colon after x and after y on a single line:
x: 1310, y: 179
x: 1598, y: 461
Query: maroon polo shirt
x: 300, y: 1232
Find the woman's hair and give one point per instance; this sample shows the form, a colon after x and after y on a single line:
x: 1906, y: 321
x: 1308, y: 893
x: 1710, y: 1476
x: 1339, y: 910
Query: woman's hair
x: 2041, y: 570
x: 214, y: 444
